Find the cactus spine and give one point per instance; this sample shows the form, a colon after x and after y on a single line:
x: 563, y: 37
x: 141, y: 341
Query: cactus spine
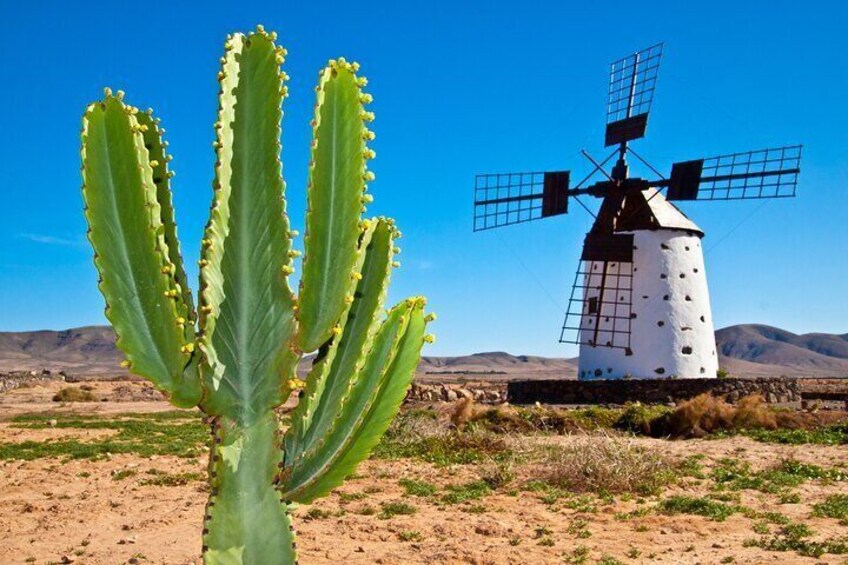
x: 236, y: 356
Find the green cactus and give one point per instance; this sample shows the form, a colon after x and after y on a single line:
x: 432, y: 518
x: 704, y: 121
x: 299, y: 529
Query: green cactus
x: 236, y: 356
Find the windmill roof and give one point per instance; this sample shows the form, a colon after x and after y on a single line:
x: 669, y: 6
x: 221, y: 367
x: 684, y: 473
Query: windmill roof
x: 649, y: 209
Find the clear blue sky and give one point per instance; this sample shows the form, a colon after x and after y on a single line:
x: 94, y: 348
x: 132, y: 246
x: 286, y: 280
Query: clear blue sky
x: 459, y: 88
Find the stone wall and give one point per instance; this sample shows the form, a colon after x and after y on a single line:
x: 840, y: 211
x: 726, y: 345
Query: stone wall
x: 482, y: 393
x: 773, y: 390
x: 13, y: 380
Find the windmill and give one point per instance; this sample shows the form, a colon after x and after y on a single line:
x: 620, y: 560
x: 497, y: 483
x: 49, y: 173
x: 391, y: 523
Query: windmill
x: 639, y: 306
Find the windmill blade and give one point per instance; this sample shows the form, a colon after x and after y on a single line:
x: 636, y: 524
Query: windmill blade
x: 764, y: 173
x: 600, y: 306
x: 503, y: 199
x: 633, y: 80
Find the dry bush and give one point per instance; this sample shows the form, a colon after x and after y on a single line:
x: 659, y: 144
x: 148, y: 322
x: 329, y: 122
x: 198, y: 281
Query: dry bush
x: 752, y: 412
x: 603, y: 463
x: 706, y: 414
x: 699, y: 416
x: 73, y: 394
x: 461, y: 412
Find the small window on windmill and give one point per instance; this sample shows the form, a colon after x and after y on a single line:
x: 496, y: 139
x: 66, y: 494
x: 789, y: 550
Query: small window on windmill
x: 592, y: 305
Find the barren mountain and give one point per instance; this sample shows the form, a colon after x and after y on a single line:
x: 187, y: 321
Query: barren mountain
x: 757, y: 348
x: 747, y: 349
x: 87, y: 350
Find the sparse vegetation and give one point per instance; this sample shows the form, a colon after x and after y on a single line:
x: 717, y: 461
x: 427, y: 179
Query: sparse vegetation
x: 178, y: 433
x: 420, y: 436
x: 834, y: 434
x: 479, y: 464
x: 795, y: 537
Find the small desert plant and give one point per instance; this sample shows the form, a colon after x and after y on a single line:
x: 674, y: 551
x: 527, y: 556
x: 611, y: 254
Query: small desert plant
x: 410, y: 535
x: 163, y: 479
x: 640, y: 418
x: 392, y: 509
x: 235, y: 356
x: 795, y: 537
x: 711, y: 509
x: 417, y: 488
x: 835, y: 506
x: 497, y: 474
x: 602, y: 463
x: 74, y: 394
x: 459, y: 493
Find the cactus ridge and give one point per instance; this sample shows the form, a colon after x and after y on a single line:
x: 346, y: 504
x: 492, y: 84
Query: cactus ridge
x: 236, y: 355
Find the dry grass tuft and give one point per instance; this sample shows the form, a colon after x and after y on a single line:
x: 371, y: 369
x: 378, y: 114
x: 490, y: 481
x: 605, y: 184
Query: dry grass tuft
x: 604, y: 463
x: 424, y: 435
x: 73, y: 394
x: 544, y: 419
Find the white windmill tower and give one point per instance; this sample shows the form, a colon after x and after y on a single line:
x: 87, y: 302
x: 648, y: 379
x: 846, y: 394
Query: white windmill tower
x: 640, y: 306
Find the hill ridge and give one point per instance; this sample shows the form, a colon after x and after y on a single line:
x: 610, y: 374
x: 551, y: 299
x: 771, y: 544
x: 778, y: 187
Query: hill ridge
x: 745, y: 349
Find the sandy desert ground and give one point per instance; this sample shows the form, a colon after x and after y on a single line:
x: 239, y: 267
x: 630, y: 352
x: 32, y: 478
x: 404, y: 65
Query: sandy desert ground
x: 147, y: 508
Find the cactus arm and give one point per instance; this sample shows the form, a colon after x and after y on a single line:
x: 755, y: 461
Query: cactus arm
x: 245, y: 521
x: 331, y: 377
x: 247, y: 309
x: 374, y: 399
x: 335, y: 200
x: 143, y: 298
